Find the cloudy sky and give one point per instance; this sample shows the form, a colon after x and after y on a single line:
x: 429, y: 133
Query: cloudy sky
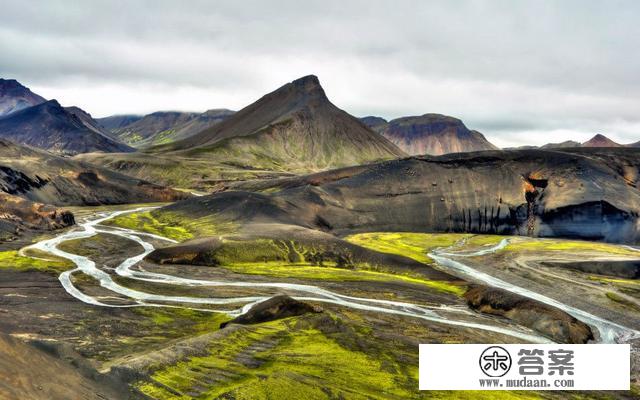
x: 522, y: 72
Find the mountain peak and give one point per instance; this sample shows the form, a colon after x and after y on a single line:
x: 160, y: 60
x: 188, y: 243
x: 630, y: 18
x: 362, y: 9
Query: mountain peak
x: 307, y: 86
x: 600, y: 141
x: 308, y: 80
x: 14, y: 96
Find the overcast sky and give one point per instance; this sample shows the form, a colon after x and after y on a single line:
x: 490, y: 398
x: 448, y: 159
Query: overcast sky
x: 522, y: 72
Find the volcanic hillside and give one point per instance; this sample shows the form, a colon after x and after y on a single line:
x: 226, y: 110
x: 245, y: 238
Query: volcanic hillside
x: 433, y: 134
x: 585, y: 193
x: 295, y: 127
x: 51, y: 127
x: 14, y: 97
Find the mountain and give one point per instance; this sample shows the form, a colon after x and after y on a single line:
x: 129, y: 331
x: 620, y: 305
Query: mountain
x: 51, y: 127
x: 161, y: 127
x: 373, y: 122
x: 600, y: 141
x: 115, y: 122
x: 433, y: 134
x: 196, y: 125
x: 143, y: 130
x: 14, y: 97
x: 562, y: 145
x: 294, y: 126
x: 88, y: 121
x: 295, y: 129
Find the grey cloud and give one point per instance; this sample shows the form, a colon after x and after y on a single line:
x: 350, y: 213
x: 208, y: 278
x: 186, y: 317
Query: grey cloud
x: 503, y: 66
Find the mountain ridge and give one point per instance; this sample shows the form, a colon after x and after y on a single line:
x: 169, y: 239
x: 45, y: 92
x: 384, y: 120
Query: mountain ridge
x: 51, y: 127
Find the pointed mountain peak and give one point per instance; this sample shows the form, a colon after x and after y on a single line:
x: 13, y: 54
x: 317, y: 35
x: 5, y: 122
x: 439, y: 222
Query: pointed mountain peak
x: 600, y: 141
x: 305, y: 88
x: 309, y: 81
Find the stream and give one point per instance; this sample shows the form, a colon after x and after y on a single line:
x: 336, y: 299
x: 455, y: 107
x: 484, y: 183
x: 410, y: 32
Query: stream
x: 609, y: 331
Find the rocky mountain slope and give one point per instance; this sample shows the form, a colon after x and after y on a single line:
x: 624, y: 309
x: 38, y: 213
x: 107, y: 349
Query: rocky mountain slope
x: 143, y: 130
x: 161, y: 127
x: 295, y: 125
x: 115, y: 122
x: 51, y: 127
x: 586, y: 193
x: 15, y: 97
x: 433, y: 134
x: 18, y: 215
x: 295, y: 129
x: 39, y: 176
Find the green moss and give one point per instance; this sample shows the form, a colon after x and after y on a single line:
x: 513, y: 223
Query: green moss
x: 307, y: 271
x: 413, y: 245
x: 556, y: 245
x: 181, y: 320
x: 290, y: 368
x: 12, y: 260
x: 147, y: 222
x: 292, y: 259
x: 298, y: 359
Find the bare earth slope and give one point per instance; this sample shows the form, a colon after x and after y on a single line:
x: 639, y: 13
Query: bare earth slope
x: 30, y: 373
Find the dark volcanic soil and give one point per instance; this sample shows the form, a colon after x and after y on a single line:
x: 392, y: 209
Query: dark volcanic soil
x: 584, y: 193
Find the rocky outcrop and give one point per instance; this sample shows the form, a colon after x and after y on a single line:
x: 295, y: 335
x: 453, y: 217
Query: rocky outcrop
x: 18, y: 215
x: 549, y: 321
x: 277, y: 307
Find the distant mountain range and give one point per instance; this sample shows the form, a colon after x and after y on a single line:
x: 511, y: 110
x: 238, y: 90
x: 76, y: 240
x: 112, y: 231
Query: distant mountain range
x: 596, y: 141
x: 294, y: 129
x: 433, y: 134
x: 161, y: 127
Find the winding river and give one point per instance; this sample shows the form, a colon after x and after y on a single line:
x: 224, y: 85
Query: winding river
x: 609, y: 331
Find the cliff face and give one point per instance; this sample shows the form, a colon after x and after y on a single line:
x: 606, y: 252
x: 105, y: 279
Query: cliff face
x: 585, y: 193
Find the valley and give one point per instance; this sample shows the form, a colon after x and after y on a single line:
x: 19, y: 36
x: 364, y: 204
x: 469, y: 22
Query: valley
x: 166, y: 352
